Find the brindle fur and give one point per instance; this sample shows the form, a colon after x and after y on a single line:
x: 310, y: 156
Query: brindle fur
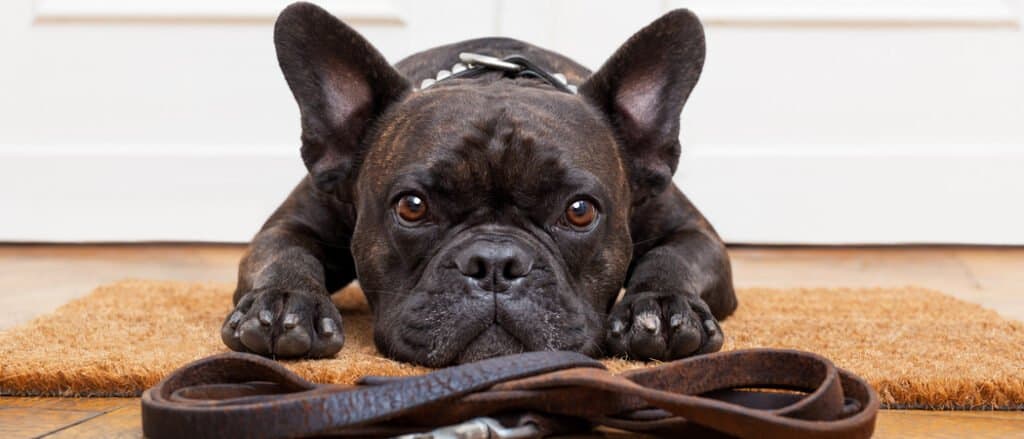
x: 496, y: 160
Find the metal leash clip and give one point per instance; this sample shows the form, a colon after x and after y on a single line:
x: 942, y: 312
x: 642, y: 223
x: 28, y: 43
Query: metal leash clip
x: 478, y: 428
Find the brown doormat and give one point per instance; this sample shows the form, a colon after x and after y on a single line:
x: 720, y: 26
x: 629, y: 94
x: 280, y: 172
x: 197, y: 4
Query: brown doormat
x: 918, y: 348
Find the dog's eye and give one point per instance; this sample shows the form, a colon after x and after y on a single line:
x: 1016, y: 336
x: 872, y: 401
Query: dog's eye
x: 580, y: 213
x: 411, y: 208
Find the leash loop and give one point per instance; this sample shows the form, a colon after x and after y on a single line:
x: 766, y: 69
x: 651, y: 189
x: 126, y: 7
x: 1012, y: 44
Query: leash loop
x: 753, y: 393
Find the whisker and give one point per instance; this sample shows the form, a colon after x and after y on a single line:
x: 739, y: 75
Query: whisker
x: 384, y: 292
x: 644, y: 241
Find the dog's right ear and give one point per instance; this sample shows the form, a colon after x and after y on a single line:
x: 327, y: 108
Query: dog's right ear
x: 642, y: 89
x: 341, y: 83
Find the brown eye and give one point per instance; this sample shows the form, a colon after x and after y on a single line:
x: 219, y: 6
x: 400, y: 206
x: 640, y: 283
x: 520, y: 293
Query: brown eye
x: 411, y: 208
x: 580, y: 213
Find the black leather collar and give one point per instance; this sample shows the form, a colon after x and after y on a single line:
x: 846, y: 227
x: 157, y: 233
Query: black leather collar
x: 513, y: 66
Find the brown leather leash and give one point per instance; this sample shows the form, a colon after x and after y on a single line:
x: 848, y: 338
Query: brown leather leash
x: 762, y: 393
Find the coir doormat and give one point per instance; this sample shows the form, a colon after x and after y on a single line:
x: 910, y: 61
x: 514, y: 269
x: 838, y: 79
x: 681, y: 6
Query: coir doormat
x: 918, y: 348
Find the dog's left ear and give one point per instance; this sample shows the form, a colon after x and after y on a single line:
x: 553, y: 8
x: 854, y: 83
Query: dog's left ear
x: 342, y: 85
x: 642, y: 89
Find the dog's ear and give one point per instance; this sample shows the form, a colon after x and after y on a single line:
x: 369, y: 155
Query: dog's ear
x: 342, y: 84
x: 642, y: 89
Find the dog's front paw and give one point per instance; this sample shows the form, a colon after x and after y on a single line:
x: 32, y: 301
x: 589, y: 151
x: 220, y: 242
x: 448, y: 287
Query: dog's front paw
x: 661, y: 326
x: 284, y: 324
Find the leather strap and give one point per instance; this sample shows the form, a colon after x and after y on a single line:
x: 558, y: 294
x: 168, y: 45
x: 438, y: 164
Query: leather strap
x: 763, y: 393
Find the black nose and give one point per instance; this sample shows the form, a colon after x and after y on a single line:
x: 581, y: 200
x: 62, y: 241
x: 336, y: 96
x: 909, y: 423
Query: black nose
x: 494, y: 265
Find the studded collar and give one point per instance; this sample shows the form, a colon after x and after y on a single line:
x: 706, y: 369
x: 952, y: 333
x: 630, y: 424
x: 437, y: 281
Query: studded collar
x: 514, y: 66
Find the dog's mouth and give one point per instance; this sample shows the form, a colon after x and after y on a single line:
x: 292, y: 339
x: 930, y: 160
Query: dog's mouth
x: 441, y: 329
x: 491, y: 342
x: 453, y: 316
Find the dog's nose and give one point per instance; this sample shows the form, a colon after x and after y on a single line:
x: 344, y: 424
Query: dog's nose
x: 494, y: 265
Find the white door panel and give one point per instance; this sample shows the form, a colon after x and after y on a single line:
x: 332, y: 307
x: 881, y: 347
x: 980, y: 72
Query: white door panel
x: 881, y: 121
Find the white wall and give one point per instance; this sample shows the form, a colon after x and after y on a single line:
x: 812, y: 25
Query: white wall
x: 880, y: 121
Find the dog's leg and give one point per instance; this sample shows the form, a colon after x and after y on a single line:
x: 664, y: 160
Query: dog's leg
x: 282, y: 301
x: 679, y: 278
x: 679, y: 286
x: 342, y: 84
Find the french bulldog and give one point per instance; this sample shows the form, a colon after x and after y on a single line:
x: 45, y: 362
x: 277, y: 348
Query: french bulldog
x: 486, y: 215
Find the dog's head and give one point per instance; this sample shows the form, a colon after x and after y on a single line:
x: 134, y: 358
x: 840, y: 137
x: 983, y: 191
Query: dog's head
x: 492, y: 216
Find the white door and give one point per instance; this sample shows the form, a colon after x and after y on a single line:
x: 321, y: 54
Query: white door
x: 874, y: 121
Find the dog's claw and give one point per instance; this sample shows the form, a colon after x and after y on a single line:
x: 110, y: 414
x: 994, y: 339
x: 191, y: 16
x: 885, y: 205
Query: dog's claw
x: 617, y: 327
x: 649, y: 322
x: 290, y: 321
x: 234, y: 320
x: 710, y: 326
x: 327, y: 327
x: 676, y: 320
x: 265, y: 317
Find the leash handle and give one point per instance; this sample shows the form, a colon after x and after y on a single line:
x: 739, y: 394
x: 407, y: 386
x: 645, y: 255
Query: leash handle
x: 239, y: 394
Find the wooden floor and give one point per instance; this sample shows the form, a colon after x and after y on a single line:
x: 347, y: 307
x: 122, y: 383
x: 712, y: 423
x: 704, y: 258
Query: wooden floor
x: 37, y: 279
